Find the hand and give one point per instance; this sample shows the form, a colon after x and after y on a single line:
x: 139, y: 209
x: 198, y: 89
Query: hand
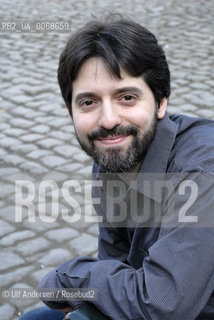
x: 66, y: 310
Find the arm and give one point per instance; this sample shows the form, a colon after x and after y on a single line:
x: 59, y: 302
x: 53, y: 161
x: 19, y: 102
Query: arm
x: 174, y: 282
x: 162, y: 289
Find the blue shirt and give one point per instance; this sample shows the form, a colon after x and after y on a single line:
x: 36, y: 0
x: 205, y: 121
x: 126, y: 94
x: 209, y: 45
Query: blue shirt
x: 164, y: 270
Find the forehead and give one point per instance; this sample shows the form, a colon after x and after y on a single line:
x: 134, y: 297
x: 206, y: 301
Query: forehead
x: 94, y: 75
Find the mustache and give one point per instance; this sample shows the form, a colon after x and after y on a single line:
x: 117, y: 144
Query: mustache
x: 117, y: 130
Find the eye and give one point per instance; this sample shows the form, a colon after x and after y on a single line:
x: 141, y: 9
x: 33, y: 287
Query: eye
x: 86, y: 103
x: 128, y: 99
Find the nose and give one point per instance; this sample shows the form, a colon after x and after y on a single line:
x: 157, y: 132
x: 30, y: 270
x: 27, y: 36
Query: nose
x: 109, y: 116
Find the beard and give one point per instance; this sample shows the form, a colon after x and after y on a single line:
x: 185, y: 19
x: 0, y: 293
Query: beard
x: 117, y: 159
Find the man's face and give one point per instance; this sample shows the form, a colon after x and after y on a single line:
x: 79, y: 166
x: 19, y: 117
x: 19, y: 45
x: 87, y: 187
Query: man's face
x: 114, y: 119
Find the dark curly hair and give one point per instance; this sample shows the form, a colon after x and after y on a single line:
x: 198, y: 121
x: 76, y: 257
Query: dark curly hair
x: 121, y: 44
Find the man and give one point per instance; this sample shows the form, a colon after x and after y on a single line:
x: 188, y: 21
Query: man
x: 115, y: 81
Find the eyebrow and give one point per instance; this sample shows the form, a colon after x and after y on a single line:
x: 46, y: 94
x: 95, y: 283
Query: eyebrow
x: 134, y: 90
x: 83, y: 95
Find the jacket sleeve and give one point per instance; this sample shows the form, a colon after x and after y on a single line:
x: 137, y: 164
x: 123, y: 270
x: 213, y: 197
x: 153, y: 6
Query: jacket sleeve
x: 175, y: 288
x: 175, y: 280
x: 112, y: 244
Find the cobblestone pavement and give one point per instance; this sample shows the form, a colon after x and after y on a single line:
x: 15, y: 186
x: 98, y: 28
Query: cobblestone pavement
x: 36, y: 136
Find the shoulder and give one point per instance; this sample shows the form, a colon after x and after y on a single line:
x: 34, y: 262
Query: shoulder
x: 194, y: 144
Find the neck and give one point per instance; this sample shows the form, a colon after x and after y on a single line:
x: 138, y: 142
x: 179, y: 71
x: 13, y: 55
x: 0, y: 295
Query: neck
x: 127, y: 177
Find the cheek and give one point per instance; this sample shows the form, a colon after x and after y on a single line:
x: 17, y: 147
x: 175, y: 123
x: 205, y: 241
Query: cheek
x: 140, y: 120
x: 144, y: 116
x: 82, y: 125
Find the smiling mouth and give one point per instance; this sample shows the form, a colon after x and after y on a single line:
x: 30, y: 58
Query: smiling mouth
x: 113, y: 140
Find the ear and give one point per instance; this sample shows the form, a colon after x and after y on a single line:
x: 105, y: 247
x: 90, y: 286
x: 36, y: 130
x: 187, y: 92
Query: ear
x: 68, y: 108
x: 162, y: 108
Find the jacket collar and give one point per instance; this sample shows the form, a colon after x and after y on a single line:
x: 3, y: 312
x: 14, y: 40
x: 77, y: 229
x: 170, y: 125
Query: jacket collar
x: 154, y: 165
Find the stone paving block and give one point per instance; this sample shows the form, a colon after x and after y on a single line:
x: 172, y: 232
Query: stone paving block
x: 59, y: 122
x: 33, y: 260
x: 80, y: 224
x: 31, y: 137
x: 84, y: 245
x: 39, y: 225
x: 12, y: 91
x: 7, y: 171
x: 6, y: 311
x: 94, y: 230
x: 35, y: 103
x: 194, y: 99
x: 5, y: 116
x: 18, y: 274
x: 22, y: 123
x: 14, y: 132
x: 20, y: 99
x: 61, y: 235
x: 63, y: 112
x: 5, y: 227
x: 22, y: 111
x: 41, y: 128
x: 47, y: 107
x: 180, y: 90
x: 9, y: 142
x: 86, y: 170
x: 188, y: 107
x: 206, y: 114
x: 24, y: 302
x: 32, y: 246
x: 13, y: 159
x: 4, y: 126
x: 48, y: 143
x: 24, y: 147
x: 14, y: 174
x: 2, y: 136
x: 38, y: 275
x: 6, y: 189
x: 56, y: 176
x: 8, y: 213
x: 16, y: 236
x: 95, y: 255
x: 199, y: 85
x: 5, y: 85
x: 2, y: 152
x: 44, y: 120
x: 80, y: 156
x: 33, y: 114
x: 39, y: 153
x: 69, y: 128
x: 9, y: 259
x: 66, y: 150
x: 2, y: 204
x: 61, y: 135
x: 33, y: 167
x: 55, y: 257
x: 53, y: 161
x: 210, y: 82
x: 24, y: 80
x: 34, y: 90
